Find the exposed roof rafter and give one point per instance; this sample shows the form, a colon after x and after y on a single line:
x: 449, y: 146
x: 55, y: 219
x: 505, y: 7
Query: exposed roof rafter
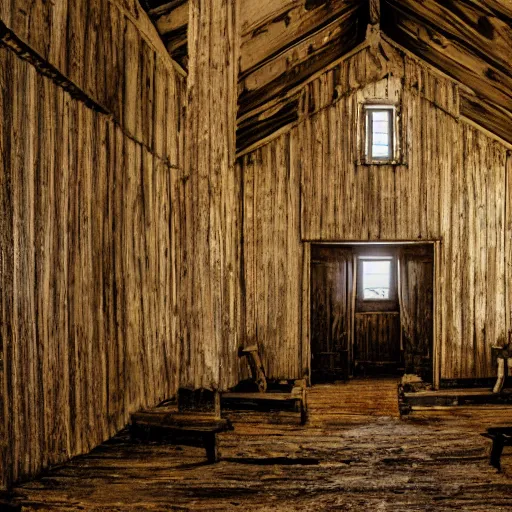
x: 283, y: 42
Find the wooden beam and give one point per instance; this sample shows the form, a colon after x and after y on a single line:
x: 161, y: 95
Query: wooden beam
x: 469, y: 23
x: 487, y: 115
x: 282, y: 29
x: 171, y: 18
x: 491, y: 82
x: 374, y: 12
x: 208, y: 202
x: 255, y: 14
x: 502, y: 8
x: 164, y: 7
x: 262, y: 125
x: 287, y: 70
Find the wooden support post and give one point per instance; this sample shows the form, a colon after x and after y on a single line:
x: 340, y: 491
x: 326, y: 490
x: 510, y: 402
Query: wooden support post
x: 373, y: 30
x: 210, y: 287
x: 374, y: 12
x: 504, y: 359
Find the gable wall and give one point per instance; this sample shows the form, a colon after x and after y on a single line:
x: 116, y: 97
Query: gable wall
x: 451, y: 188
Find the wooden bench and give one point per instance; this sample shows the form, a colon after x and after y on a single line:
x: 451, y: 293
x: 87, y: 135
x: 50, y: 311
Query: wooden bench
x: 501, y: 437
x: 294, y: 401
x: 162, y: 424
x: 277, y: 401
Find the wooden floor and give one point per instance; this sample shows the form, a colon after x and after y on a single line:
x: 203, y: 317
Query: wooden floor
x: 333, y: 404
x: 361, y: 459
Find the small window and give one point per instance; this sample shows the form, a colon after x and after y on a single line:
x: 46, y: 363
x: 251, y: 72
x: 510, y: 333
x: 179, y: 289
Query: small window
x: 379, y: 133
x: 376, y: 279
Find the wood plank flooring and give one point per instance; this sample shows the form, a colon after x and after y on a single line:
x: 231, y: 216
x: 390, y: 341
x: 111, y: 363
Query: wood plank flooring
x: 332, y: 404
x: 431, y: 460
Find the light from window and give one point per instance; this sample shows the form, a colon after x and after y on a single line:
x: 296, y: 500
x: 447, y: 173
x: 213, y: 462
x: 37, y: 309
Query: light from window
x: 376, y: 279
x: 379, y: 133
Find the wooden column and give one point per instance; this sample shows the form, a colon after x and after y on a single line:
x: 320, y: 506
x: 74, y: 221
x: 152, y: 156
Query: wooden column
x: 374, y: 12
x: 373, y: 29
x: 210, y: 276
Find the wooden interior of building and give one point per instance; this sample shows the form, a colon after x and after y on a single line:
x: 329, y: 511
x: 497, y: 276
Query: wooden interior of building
x: 277, y: 230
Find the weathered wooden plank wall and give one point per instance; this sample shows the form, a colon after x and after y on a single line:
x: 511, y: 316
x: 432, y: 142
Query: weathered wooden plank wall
x: 508, y: 245
x: 450, y: 186
x: 88, y: 266
x: 96, y: 45
x: 273, y: 256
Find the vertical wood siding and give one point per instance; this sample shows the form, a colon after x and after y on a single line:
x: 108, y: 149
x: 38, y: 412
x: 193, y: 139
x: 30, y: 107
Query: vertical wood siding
x: 450, y: 186
x: 108, y: 48
x: 272, y: 255
x: 87, y: 266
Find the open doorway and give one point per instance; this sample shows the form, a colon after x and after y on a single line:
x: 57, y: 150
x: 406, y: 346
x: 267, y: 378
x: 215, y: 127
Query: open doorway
x: 371, y: 310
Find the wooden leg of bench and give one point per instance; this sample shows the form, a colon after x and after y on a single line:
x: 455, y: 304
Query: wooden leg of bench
x: 501, y: 376
x: 210, y: 444
x: 303, y: 414
x: 496, y: 451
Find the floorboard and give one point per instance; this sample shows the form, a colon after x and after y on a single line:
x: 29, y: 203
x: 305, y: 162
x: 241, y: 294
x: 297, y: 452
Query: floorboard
x: 367, y: 458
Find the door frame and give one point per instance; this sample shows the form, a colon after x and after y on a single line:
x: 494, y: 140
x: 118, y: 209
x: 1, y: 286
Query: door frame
x: 305, y: 356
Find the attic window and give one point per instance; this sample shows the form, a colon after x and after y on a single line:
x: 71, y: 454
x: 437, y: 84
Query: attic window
x: 379, y: 133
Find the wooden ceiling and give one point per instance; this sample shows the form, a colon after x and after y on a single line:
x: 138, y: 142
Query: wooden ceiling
x: 283, y: 42
x: 470, y: 40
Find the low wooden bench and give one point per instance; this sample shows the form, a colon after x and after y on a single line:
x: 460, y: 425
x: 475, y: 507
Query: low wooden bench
x: 294, y: 401
x: 162, y: 424
x: 501, y: 437
x: 286, y: 402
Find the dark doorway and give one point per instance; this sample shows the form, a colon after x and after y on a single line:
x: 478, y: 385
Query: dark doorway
x: 371, y: 310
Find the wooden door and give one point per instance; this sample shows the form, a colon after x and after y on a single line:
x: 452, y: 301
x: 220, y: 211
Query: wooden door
x: 331, y: 313
x: 377, y: 341
x: 417, y: 309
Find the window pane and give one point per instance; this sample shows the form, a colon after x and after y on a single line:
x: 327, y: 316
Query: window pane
x: 380, y: 116
x: 381, y: 144
x: 376, y: 279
